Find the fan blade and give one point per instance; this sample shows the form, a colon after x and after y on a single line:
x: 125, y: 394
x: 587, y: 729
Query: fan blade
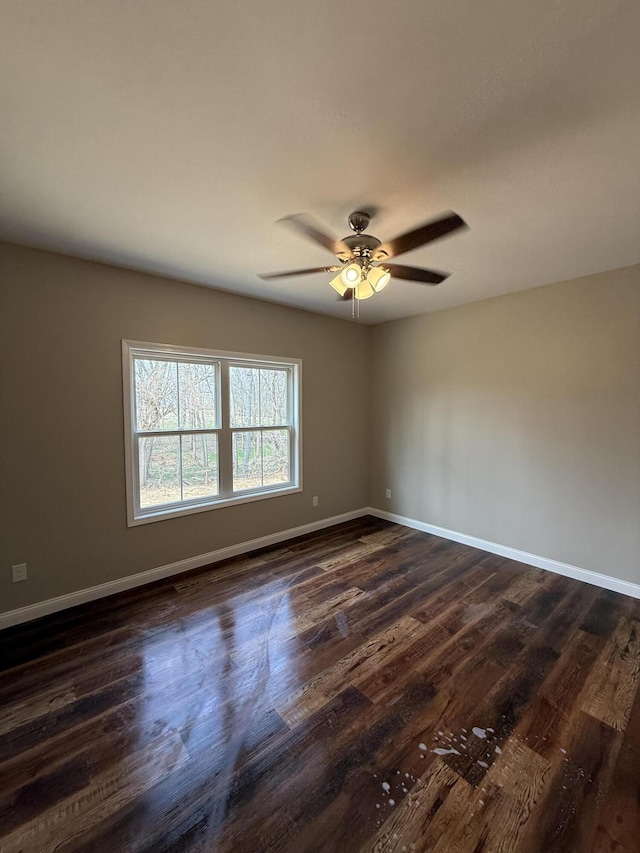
x: 416, y: 274
x: 288, y: 273
x: 420, y: 236
x: 303, y: 223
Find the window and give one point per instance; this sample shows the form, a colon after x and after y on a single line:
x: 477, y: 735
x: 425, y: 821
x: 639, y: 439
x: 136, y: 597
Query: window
x: 207, y: 429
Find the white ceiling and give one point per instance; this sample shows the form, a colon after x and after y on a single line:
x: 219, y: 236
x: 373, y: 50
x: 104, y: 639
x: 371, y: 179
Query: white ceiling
x: 169, y: 136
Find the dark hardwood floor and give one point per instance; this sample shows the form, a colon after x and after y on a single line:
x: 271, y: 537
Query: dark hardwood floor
x: 365, y: 688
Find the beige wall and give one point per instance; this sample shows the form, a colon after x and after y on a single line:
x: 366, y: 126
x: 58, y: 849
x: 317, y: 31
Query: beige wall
x: 517, y: 420
x: 62, y: 502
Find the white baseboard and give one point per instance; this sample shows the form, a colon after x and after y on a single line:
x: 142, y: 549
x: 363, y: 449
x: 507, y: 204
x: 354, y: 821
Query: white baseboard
x: 62, y: 602
x: 594, y: 578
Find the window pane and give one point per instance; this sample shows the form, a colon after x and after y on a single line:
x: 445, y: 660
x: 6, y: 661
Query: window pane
x: 244, y: 391
x: 247, y: 460
x: 197, y: 394
x: 275, y: 456
x: 156, y: 389
x: 199, y: 465
x: 260, y: 458
x: 273, y: 397
x: 159, y: 461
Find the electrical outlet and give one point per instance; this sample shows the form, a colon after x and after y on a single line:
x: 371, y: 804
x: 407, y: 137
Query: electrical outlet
x: 19, y: 572
x: 388, y: 493
x: 315, y: 500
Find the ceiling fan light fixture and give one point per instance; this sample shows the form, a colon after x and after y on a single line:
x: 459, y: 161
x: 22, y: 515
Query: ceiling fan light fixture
x: 364, y: 290
x: 364, y: 267
x: 338, y: 285
x: 351, y: 275
x: 378, y: 278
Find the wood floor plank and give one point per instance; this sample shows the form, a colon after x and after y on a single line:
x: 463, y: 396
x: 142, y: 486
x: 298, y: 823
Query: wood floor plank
x: 494, y: 815
x: 286, y: 624
x: 376, y: 726
x: 364, y: 687
x: 618, y: 818
x: 614, y: 680
x: 409, y: 825
x: 350, y: 555
x: 358, y: 664
x: 27, y: 710
x: 547, y: 721
x: 104, y: 795
x: 578, y: 779
x: 527, y: 585
x: 512, y: 791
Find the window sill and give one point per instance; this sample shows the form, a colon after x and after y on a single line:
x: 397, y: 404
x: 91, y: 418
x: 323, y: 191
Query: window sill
x: 161, y: 514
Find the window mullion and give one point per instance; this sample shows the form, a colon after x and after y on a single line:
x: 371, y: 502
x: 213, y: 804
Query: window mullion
x: 178, y: 400
x: 169, y: 432
x: 225, y: 453
x: 262, y: 458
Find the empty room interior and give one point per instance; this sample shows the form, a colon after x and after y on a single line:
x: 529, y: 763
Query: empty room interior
x: 320, y: 407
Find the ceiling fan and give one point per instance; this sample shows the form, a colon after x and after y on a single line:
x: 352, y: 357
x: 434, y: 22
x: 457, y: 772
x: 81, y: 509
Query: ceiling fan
x: 363, y: 268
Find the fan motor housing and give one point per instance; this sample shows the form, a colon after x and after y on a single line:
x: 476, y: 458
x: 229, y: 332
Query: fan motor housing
x: 362, y: 245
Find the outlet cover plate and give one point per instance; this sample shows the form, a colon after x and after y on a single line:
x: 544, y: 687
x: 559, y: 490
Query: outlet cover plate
x: 19, y: 572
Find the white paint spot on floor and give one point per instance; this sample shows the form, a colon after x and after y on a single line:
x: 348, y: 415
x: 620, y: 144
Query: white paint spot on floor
x: 422, y: 746
x: 498, y: 750
x: 478, y: 732
x: 563, y: 750
x: 483, y: 764
x: 377, y: 805
x: 441, y: 751
x: 462, y: 737
x: 489, y: 729
x: 439, y: 733
x: 386, y: 787
x: 392, y: 802
x: 481, y: 803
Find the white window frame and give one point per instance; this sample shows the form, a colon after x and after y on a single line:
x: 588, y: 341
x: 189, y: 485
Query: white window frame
x: 223, y: 359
